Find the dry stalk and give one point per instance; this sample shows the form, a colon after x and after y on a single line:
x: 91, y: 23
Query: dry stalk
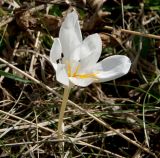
x: 24, y: 120
x: 19, y: 127
x: 34, y: 56
x: 133, y: 32
x: 100, y: 149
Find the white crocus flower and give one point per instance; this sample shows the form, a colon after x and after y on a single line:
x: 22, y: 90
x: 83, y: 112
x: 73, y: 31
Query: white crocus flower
x: 76, y: 61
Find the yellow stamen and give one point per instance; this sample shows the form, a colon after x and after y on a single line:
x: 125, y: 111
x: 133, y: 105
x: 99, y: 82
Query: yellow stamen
x: 81, y: 76
x: 77, y: 68
x: 84, y: 76
x: 69, y: 70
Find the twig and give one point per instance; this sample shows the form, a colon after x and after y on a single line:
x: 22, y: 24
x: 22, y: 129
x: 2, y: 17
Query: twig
x: 134, y: 32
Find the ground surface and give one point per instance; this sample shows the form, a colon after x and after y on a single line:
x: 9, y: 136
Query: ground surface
x: 120, y: 118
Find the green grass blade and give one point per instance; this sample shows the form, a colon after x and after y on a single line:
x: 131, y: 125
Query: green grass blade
x: 14, y: 77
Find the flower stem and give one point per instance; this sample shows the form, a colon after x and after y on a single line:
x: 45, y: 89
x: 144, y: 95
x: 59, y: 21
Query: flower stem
x: 61, y: 115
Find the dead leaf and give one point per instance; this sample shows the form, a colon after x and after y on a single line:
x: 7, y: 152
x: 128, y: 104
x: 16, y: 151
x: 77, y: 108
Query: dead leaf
x: 24, y: 18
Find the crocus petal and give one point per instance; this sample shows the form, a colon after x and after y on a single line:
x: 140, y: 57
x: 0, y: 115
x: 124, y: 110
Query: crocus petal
x: 81, y: 82
x: 89, y: 51
x: 112, y: 68
x: 55, y: 52
x: 61, y: 74
x: 70, y: 34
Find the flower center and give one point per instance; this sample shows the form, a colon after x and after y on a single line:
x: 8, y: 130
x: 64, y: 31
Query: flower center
x: 77, y: 75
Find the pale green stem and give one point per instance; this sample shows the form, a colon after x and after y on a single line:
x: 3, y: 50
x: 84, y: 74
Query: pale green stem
x: 61, y: 115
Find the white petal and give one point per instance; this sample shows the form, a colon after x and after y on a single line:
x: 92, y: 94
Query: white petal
x: 112, y: 67
x: 70, y: 34
x: 89, y: 51
x: 61, y: 75
x: 56, y: 51
x: 81, y: 82
x: 55, y: 65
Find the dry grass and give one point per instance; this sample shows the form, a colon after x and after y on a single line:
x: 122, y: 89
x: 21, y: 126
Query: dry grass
x: 115, y: 119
